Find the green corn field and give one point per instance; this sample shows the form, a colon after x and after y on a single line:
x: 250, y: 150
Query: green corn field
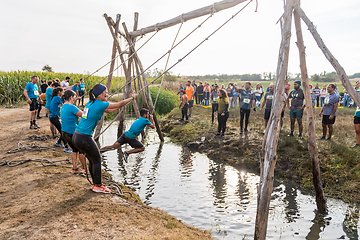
x: 12, y: 84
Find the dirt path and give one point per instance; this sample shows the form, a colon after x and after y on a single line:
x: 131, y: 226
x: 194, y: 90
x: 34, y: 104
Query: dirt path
x: 51, y: 203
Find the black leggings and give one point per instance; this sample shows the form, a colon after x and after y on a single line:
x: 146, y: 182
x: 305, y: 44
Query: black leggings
x: 82, y: 95
x: 57, y: 124
x: 246, y: 113
x: 214, y: 108
x: 184, y: 112
x: 222, y: 122
x: 86, y: 144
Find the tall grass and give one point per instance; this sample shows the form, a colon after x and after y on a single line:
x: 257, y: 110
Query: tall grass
x: 12, y: 84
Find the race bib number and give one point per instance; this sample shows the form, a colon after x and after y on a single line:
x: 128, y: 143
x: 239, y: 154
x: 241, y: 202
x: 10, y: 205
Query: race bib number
x: 269, y: 97
x: 85, y: 113
x: 82, y: 89
x: 327, y: 100
x: 358, y: 109
x: 36, y: 93
x: 214, y: 99
x: 246, y: 100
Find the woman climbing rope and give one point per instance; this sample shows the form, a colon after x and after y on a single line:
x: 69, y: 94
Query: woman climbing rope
x: 82, y: 138
x: 70, y: 117
x: 55, y: 105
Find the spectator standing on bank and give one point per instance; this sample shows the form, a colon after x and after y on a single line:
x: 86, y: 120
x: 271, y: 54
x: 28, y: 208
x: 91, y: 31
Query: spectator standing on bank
x: 296, y: 108
x: 214, y: 104
x: 323, y: 93
x: 194, y: 85
x: 329, y: 111
x: 207, y: 91
x: 316, y: 91
x: 229, y: 93
x: 200, y: 93
x: 190, y: 94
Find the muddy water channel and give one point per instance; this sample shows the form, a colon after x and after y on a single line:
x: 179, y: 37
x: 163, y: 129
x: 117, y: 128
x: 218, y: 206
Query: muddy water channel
x: 214, y: 196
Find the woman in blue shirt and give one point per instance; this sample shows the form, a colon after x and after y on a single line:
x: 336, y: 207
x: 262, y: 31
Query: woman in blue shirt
x: 69, y: 120
x: 82, y: 138
x: 48, y: 95
x: 55, y: 105
x: 81, y: 90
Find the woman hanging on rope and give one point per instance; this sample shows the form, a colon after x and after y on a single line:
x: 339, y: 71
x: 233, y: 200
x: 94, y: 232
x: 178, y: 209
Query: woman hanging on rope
x: 55, y: 105
x: 70, y: 117
x: 82, y: 138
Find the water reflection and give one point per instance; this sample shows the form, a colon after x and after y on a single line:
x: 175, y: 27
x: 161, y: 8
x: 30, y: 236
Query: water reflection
x: 212, y: 195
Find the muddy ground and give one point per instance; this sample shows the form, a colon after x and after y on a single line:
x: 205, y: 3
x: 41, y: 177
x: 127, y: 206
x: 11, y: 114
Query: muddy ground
x: 50, y: 202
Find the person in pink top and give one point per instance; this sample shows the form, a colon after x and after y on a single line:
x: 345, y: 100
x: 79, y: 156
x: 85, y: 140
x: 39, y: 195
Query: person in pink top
x: 287, y: 86
x: 323, y: 93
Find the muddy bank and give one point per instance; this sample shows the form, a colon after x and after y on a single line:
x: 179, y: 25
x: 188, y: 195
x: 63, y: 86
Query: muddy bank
x: 339, y: 163
x: 50, y: 202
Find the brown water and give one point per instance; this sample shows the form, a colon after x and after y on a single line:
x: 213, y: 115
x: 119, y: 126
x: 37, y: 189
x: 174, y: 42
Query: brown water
x: 214, y: 196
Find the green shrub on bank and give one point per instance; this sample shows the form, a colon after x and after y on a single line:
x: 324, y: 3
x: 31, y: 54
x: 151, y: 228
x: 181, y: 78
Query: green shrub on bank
x: 12, y: 84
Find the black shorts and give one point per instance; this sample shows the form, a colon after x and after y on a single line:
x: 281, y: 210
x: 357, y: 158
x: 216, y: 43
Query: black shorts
x: 34, y: 104
x: 356, y: 120
x: 191, y: 103
x: 326, y: 120
x: 81, y: 93
x: 68, y: 138
x: 282, y: 114
x: 267, y: 114
x: 134, y: 143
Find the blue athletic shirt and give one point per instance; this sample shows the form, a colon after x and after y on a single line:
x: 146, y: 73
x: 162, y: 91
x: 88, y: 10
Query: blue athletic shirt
x: 32, y: 90
x: 55, y: 106
x: 48, y: 95
x: 74, y: 88
x: 92, y: 113
x: 137, y: 127
x: 69, y: 120
x: 81, y: 88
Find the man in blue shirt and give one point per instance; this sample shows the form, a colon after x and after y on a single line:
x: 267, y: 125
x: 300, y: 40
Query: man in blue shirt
x: 131, y: 135
x: 329, y: 111
x: 31, y: 93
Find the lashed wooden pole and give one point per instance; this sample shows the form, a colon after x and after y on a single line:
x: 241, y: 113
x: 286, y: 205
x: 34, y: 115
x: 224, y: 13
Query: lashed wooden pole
x: 338, y: 68
x: 216, y: 7
x: 320, y: 196
x: 108, y: 83
x: 138, y: 63
x: 272, y: 136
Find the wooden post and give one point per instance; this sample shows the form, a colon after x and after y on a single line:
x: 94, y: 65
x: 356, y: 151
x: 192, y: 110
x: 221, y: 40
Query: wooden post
x: 338, y: 68
x: 137, y: 61
x: 320, y: 196
x: 108, y: 83
x: 273, y: 128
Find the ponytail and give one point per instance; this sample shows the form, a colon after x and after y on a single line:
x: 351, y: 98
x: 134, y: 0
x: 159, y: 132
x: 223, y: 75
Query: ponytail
x: 56, y: 92
x: 67, y: 95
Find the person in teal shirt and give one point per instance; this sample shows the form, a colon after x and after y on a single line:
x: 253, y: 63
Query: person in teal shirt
x: 131, y: 135
x: 31, y: 93
x: 81, y: 90
x: 357, y: 124
x: 48, y: 96
x: 69, y: 120
x: 82, y: 138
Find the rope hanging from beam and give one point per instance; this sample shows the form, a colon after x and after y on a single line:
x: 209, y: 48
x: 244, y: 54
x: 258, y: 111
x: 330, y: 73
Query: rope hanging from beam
x: 165, y: 71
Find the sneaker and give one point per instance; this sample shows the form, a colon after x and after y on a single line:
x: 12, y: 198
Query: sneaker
x: 322, y: 138
x: 246, y: 130
x: 328, y: 139
x: 75, y: 170
x: 212, y: 124
x: 291, y: 135
x: 36, y: 126
x: 68, y: 150
x: 356, y: 146
x: 241, y: 131
x: 39, y: 117
x: 186, y: 122
x: 222, y: 135
x: 126, y: 155
x: 181, y: 120
x: 217, y: 135
x: 59, y: 144
x: 32, y: 127
x: 100, y: 189
x: 300, y: 136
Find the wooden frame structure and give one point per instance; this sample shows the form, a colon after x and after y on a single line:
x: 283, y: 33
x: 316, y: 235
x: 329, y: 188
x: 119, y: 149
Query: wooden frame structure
x: 267, y: 165
x: 270, y: 141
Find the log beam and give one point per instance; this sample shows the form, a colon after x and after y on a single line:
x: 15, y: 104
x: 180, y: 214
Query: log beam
x: 216, y: 7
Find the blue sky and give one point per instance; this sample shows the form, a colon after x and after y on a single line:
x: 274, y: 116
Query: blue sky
x: 72, y: 36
